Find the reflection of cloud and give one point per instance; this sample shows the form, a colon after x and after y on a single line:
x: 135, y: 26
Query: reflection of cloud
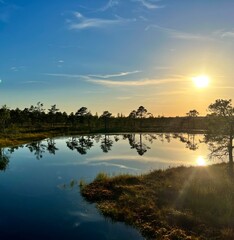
x: 113, y: 165
x: 178, y: 34
x: 86, y: 217
x: 132, y: 158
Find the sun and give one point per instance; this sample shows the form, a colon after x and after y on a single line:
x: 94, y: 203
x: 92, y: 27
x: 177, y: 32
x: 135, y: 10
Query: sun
x: 201, y: 161
x: 201, y: 81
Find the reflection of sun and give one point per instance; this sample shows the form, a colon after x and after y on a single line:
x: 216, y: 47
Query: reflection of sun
x: 201, y: 81
x: 201, y: 161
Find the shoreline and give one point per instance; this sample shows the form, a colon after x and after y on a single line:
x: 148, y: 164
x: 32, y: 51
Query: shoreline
x: 10, y: 138
x: 176, y: 203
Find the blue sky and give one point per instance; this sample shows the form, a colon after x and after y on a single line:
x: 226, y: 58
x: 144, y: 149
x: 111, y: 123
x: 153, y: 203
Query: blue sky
x: 116, y: 54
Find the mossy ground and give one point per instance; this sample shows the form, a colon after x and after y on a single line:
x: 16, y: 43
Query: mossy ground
x: 178, y: 203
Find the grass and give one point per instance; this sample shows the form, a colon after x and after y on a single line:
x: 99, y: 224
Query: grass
x: 178, y: 203
x: 13, y: 137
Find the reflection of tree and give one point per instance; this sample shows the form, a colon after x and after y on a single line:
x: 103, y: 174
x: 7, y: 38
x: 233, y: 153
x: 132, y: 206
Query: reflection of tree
x: 38, y: 148
x: 191, y: 144
x: 51, y: 148
x: 106, y: 143
x: 140, y: 146
x: 81, y: 144
x: 189, y: 140
x: 4, y: 160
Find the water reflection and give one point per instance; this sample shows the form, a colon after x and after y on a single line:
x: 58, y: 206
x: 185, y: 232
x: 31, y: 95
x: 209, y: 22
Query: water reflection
x: 141, y: 143
x: 81, y: 144
x: 4, y: 160
x: 106, y: 143
x: 51, y: 148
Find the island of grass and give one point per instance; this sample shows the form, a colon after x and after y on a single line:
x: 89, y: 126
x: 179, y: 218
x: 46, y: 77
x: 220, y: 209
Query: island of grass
x: 177, y: 203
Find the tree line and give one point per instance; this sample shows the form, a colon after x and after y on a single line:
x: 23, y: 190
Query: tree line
x: 37, y: 117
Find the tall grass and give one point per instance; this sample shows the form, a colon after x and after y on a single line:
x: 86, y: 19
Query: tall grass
x: 180, y: 203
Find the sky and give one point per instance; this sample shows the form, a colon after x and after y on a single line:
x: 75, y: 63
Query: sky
x: 116, y: 55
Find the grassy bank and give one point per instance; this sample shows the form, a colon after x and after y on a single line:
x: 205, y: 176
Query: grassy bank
x: 178, y: 203
x: 17, y: 137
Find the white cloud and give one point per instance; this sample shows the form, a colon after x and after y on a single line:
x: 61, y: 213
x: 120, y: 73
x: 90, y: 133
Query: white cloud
x: 121, y: 74
x: 64, y: 75
x: 110, y: 4
x: 148, y: 4
x: 16, y: 69
x: 142, y: 82
x: 34, y: 82
x: 180, y: 35
x: 224, y: 34
x: 84, y: 22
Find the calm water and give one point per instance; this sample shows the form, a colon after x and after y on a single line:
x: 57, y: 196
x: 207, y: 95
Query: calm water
x: 37, y: 202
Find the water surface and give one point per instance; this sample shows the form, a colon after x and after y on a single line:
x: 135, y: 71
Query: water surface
x: 37, y: 201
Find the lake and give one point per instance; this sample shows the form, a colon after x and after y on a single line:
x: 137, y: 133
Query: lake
x: 39, y: 195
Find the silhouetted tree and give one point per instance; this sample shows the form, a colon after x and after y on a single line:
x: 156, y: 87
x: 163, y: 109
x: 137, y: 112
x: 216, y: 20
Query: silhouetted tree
x: 4, y: 116
x: 192, y: 114
x: 141, y: 112
x: 52, y: 114
x: 106, y: 116
x: 220, y: 132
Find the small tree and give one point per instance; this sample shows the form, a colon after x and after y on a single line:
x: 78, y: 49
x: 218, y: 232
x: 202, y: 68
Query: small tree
x: 52, y: 114
x: 141, y: 112
x: 192, y: 114
x: 81, y: 113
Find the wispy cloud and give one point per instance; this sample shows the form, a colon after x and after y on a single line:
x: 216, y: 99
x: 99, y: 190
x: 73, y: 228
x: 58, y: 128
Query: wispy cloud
x: 82, y: 22
x: 64, y: 75
x: 180, y: 35
x: 34, y: 82
x: 110, y: 4
x: 124, y: 98
x: 121, y: 74
x: 96, y: 79
x: 142, y: 82
x: 224, y: 34
x: 149, y: 4
x: 90, y: 76
x: 16, y: 69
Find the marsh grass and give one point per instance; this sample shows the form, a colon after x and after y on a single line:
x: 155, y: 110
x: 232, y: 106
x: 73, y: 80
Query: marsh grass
x: 178, y: 203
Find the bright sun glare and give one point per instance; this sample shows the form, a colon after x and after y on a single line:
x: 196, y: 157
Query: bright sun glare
x: 201, y: 161
x: 201, y: 81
